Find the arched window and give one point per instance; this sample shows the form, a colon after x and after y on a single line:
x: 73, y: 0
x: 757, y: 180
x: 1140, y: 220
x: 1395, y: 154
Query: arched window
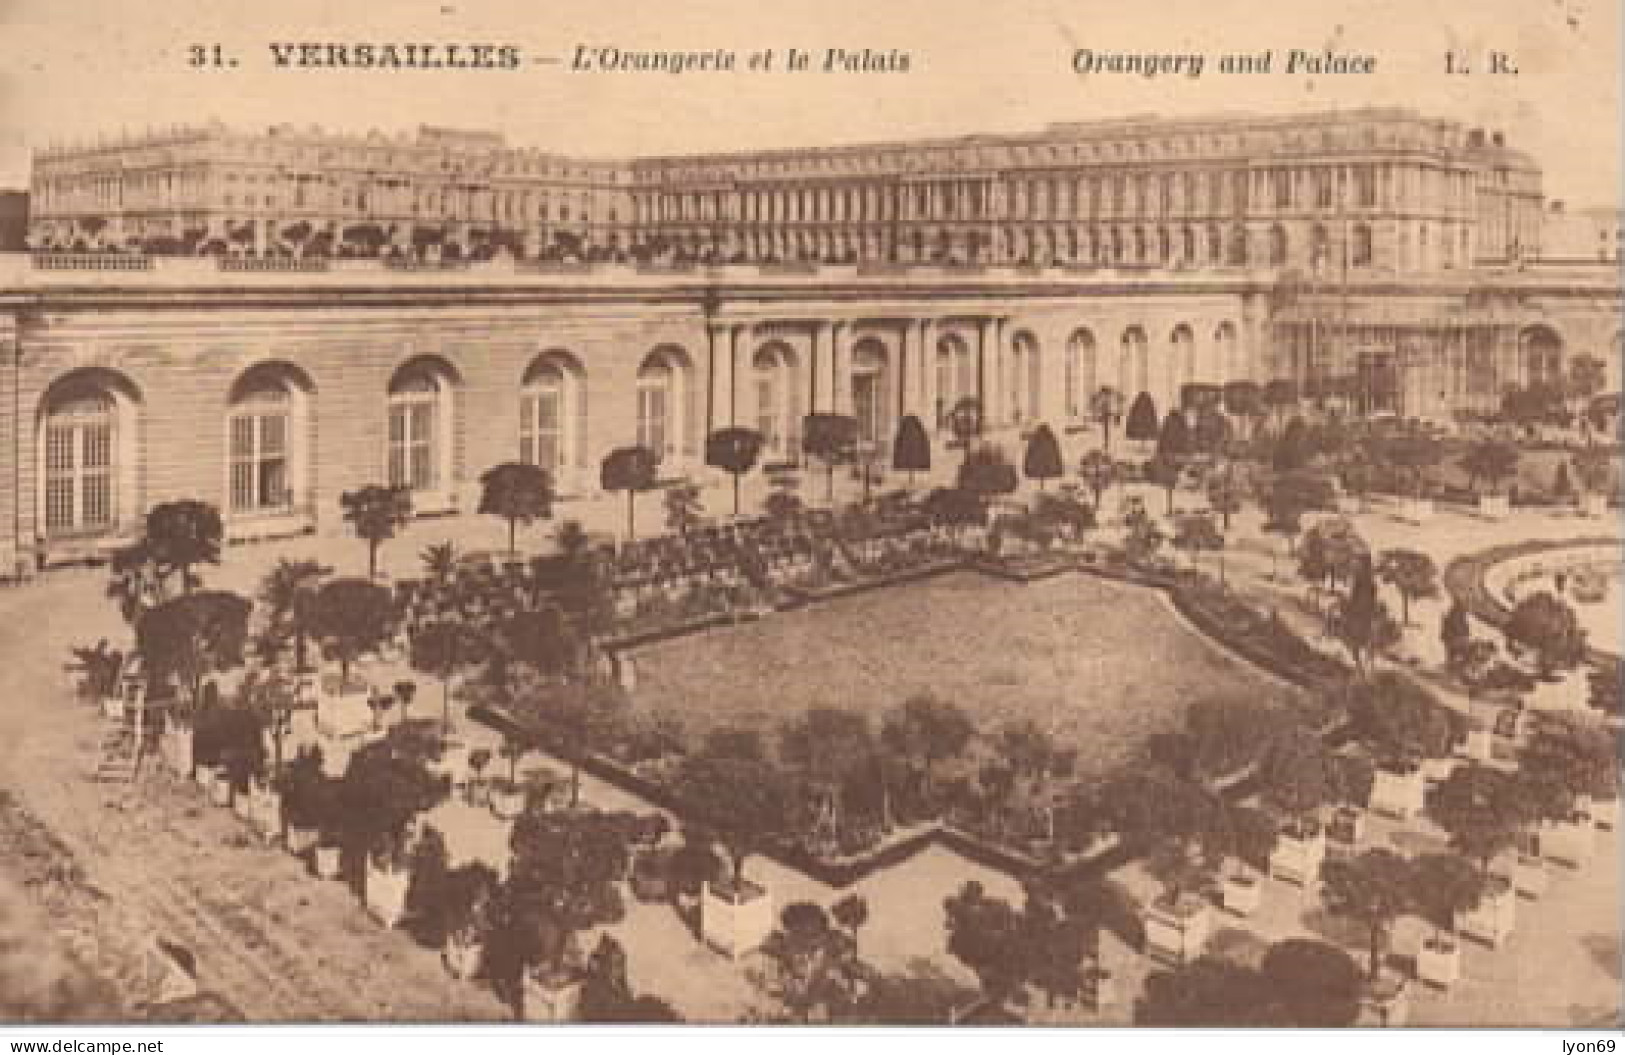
x: 777, y: 419
x: 1277, y: 251
x: 1225, y: 352
x: 1025, y: 371
x: 871, y: 392
x: 1135, y: 368
x: 546, y: 418
x: 264, y: 441
x: 420, y: 427
x: 1184, y: 353
x: 1082, y: 372
x: 956, y: 376
x: 80, y: 441
x: 1360, y: 253
x: 661, y: 388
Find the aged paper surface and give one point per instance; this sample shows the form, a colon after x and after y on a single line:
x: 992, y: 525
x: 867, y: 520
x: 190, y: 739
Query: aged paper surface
x: 1047, y: 513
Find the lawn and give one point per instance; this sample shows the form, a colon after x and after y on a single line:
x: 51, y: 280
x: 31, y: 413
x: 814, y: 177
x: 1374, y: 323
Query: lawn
x: 1102, y: 664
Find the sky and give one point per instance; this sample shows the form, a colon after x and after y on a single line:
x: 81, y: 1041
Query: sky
x: 73, y: 69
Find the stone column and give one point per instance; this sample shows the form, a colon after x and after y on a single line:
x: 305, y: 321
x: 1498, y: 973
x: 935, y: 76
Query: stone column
x: 719, y: 340
x: 840, y: 369
x: 925, y: 372
x: 990, y: 371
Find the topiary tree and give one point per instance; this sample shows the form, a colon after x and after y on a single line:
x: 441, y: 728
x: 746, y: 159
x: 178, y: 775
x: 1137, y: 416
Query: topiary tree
x: 988, y: 935
x: 1314, y: 985
x: 629, y: 469
x: 1399, y: 721
x: 1492, y: 460
x: 1043, y: 458
x: 1443, y: 886
x: 734, y: 451
x: 1455, y: 630
x: 1483, y: 810
x: 519, y: 493
x: 1410, y: 572
x: 1373, y: 889
x: 375, y: 514
x: 1142, y: 424
x: 911, y: 450
x: 741, y: 798
x: 1546, y: 626
x: 1569, y: 756
x: 191, y: 637
x: 352, y: 617
x: 179, y: 536
x: 832, y: 439
x: 1106, y: 407
x: 1208, y: 992
x: 440, y: 649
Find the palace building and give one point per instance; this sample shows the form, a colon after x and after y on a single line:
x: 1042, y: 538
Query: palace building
x: 259, y: 355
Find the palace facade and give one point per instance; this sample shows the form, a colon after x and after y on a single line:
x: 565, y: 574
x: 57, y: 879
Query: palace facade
x: 746, y: 289
x: 1384, y: 190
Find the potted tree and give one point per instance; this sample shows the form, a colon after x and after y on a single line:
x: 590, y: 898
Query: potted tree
x: 466, y: 917
x: 506, y: 795
x: 1483, y: 810
x: 1184, y: 829
x: 1594, y: 468
x: 1567, y: 770
x: 1402, y: 725
x: 1443, y: 887
x: 1494, y: 461
x: 744, y: 802
x: 1296, y: 775
x: 304, y: 786
x: 1374, y: 889
x: 474, y: 788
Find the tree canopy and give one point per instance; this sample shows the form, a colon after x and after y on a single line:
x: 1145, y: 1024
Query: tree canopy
x: 376, y: 513
x: 518, y: 492
x: 1043, y: 457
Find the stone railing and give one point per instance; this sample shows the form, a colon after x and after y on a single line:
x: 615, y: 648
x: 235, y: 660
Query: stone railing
x: 91, y: 262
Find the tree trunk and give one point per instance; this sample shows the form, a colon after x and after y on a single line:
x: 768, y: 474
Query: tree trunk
x: 631, y: 514
x: 372, y: 558
x: 736, y: 494
x: 445, y: 706
x: 512, y: 524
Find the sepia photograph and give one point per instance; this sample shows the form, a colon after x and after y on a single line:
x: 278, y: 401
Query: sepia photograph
x: 1029, y: 514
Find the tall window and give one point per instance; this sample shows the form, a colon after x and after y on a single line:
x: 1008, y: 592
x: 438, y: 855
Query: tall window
x: 1081, y: 372
x: 1136, y: 364
x: 774, y: 390
x: 541, y: 418
x: 260, y: 427
x: 419, y: 424
x: 1024, y: 378
x: 79, y: 464
x: 654, y: 392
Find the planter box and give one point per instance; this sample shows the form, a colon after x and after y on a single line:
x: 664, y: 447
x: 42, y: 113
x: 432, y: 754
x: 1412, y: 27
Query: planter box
x: 328, y: 862
x: 1569, y: 841
x: 219, y: 789
x: 1479, y: 746
x: 242, y: 805
x: 1529, y: 876
x: 551, y: 1004
x: 302, y: 840
x: 265, y: 812
x: 1345, y: 829
x: 461, y: 956
x: 1438, y: 770
x: 1438, y: 963
x: 1594, y: 505
x: 736, y: 923
x: 1498, y: 507
x: 1297, y: 860
x: 1492, y: 920
x: 113, y: 708
x: 1398, y: 794
x: 1179, y: 931
x: 386, y: 893
x: 177, y: 751
x: 1385, y: 1002
x: 1605, y: 814
x: 1242, y: 894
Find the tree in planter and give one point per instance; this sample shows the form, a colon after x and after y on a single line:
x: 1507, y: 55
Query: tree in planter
x: 1443, y: 886
x: 270, y: 696
x: 1482, y: 809
x: 134, y: 581
x: 1594, y: 467
x: 1398, y: 720
x: 813, y: 970
x: 191, y: 637
x: 606, y: 994
x: 1362, y: 622
x: 1568, y: 756
x: 1106, y: 407
x: 1195, y: 534
x: 965, y: 420
x: 832, y: 439
x: 989, y: 936
x: 1292, y: 451
x: 924, y: 733
x: 1606, y: 694
x: 1547, y: 627
x: 1142, y: 425
x: 478, y: 759
x: 735, y: 451
x: 1042, y: 461
x: 985, y: 473
x: 1413, y: 453
x: 1411, y: 573
x: 851, y: 912
x: 288, y: 594
x: 441, y: 649
x: 1245, y: 400
x: 829, y: 750
x: 181, y: 535
x: 911, y: 449
x: 1493, y: 460
x: 741, y: 799
x: 383, y: 789
x: 583, y: 711
x: 1179, y: 824
x: 518, y: 492
x: 1208, y: 992
x: 1588, y: 375
x: 1373, y: 889
x: 307, y: 791
x: 1098, y: 472
x: 1224, y: 491
x: 1332, y: 552
x: 1280, y: 396
x: 375, y: 514
x: 352, y: 617
x: 629, y: 469
x: 683, y: 509
x: 1314, y: 985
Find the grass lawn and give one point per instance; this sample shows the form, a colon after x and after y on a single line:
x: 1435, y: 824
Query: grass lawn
x: 1100, y: 663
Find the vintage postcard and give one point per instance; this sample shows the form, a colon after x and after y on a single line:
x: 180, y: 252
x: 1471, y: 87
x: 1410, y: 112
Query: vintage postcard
x: 1032, y: 513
